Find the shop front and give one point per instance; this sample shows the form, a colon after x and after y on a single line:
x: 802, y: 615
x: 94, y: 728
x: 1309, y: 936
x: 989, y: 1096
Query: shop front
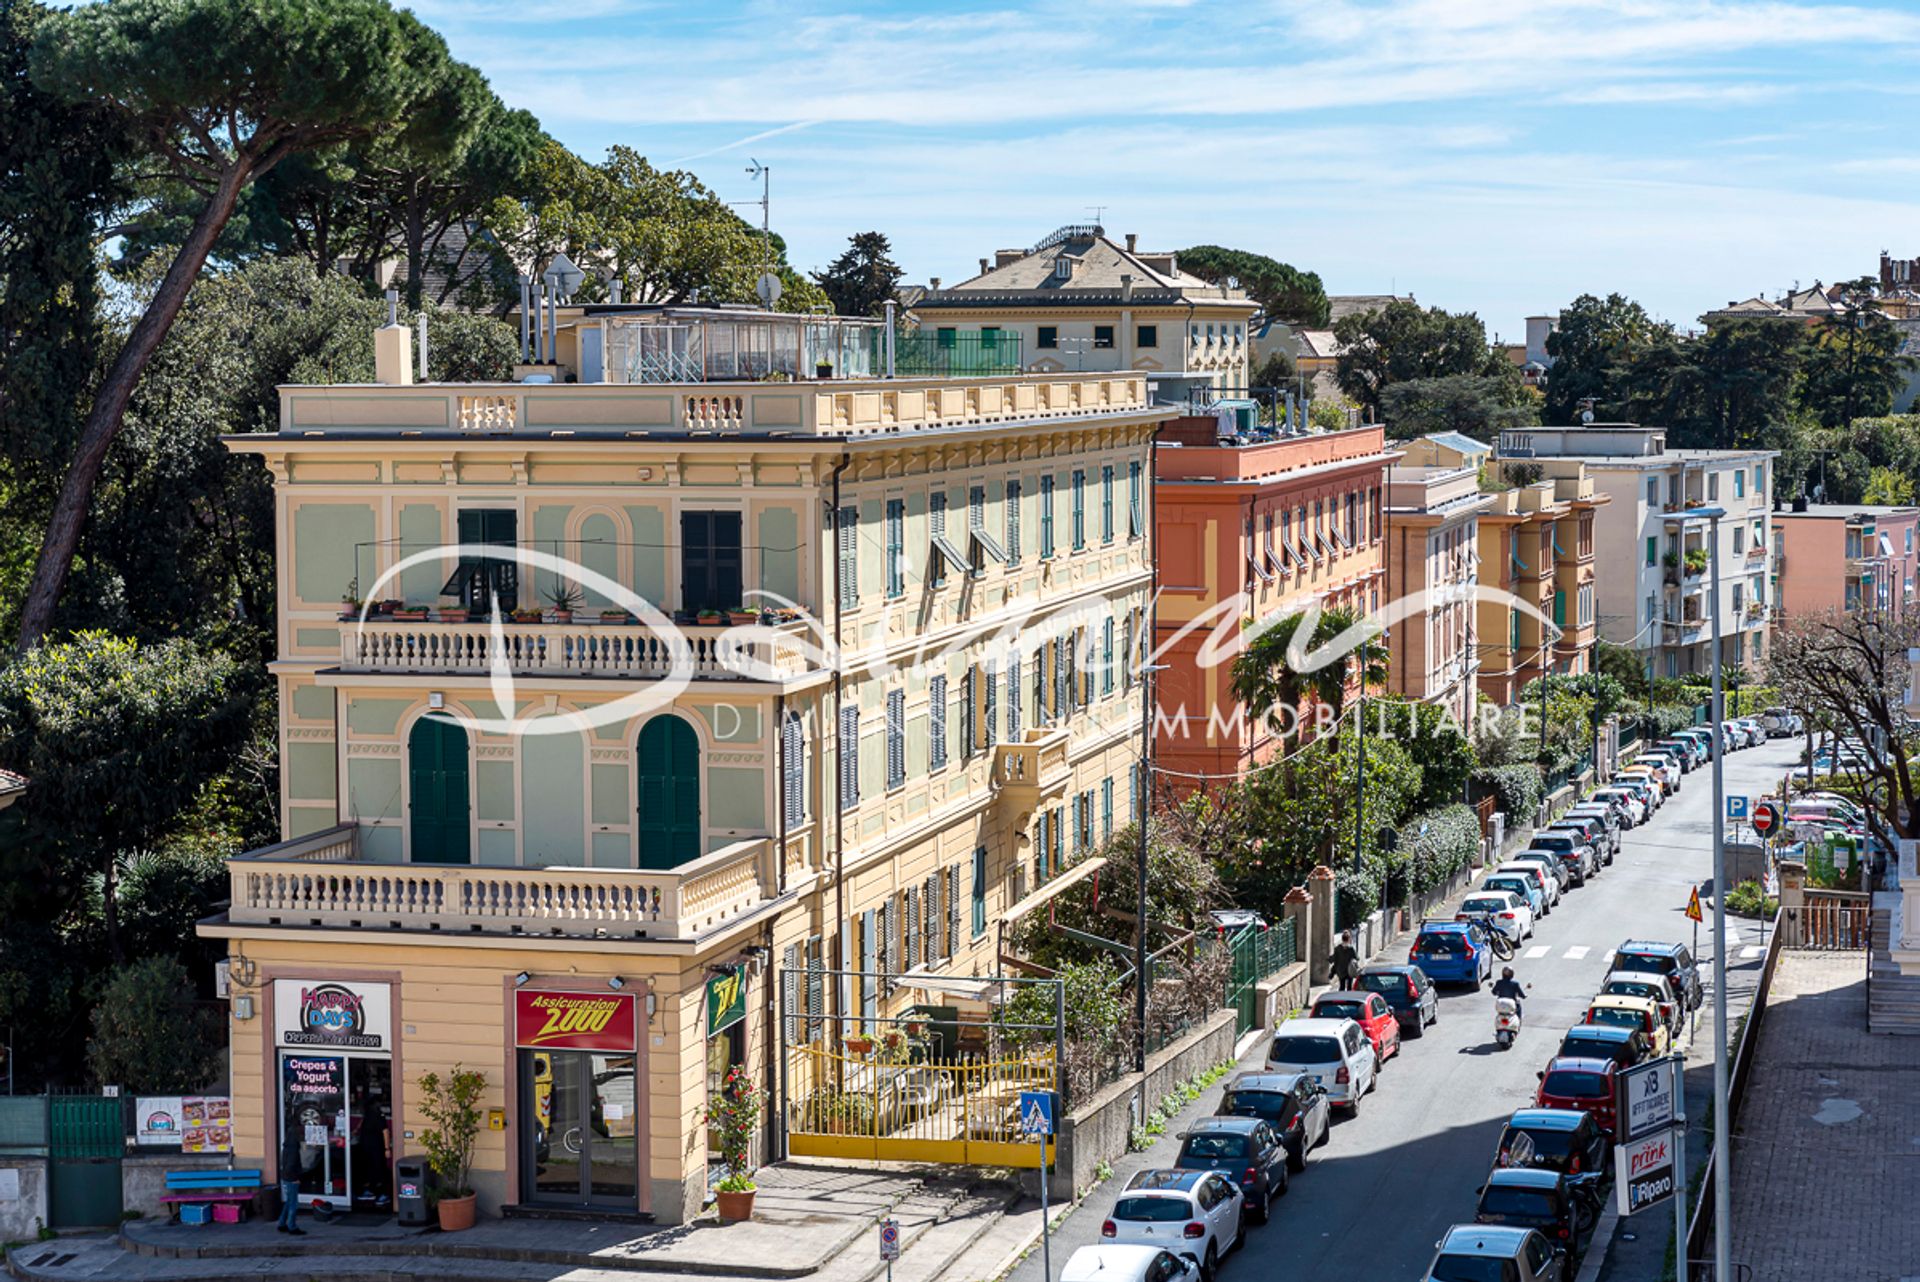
x: 726, y: 1042
x: 333, y: 1042
x: 582, y: 1104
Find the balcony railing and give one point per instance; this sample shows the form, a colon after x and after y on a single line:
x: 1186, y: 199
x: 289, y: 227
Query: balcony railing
x: 1035, y: 771
x: 749, y: 652
x: 319, y: 881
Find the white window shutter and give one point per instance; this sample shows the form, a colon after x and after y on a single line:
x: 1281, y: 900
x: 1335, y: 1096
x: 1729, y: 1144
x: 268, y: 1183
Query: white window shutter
x: 849, y: 754
x: 953, y: 910
x: 937, y: 722
x: 793, y: 769
x: 1013, y: 699
x: 790, y: 992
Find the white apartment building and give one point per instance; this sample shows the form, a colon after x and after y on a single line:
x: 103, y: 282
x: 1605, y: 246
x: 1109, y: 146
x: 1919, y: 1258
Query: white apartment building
x: 1655, y: 594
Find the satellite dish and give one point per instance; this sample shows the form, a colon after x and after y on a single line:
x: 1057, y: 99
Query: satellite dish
x: 564, y: 276
x: 768, y: 288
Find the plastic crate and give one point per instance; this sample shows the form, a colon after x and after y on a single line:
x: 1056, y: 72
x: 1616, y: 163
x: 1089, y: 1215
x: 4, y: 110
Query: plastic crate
x: 196, y: 1213
x: 229, y: 1212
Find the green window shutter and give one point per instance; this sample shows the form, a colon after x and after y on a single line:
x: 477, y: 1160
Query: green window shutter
x: 979, y: 891
x: 896, y: 546
x: 1559, y: 609
x: 1135, y: 524
x: 1106, y: 504
x: 668, y: 760
x: 1106, y: 808
x: 849, y: 532
x: 1013, y: 520
x: 439, y: 809
x: 1079, y: 509
x: 1046, y: 516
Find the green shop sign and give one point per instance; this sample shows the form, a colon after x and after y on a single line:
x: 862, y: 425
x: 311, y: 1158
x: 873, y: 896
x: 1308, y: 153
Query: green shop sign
x: 726, y: 1002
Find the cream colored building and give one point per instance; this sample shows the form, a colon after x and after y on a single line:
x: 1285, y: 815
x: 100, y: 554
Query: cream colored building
x: 584, y: 853
x: 1080, y: 301
x: 1433, y: 532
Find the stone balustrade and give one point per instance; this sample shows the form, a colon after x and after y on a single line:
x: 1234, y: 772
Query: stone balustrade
x: 748, y: 652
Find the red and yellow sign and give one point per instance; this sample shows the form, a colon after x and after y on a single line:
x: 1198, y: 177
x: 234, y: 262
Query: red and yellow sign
x: 1693, y: 906
x: 574, y: 1021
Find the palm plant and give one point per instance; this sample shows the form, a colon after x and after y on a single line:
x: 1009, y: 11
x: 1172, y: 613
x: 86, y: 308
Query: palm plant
x: 1267, y: 681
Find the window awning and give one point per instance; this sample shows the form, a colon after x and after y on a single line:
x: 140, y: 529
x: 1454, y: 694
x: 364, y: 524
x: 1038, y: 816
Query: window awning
x: 988, y: 544
x: 1260, y: 567
x: 943, y: 548
x: 1059, y: 885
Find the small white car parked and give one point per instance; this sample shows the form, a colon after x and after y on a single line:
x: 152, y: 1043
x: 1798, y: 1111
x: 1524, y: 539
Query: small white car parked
x: 1201, y: 1212
x: 1129, y: 1264
x: 1334, y: 1052
x: 1511, y: 915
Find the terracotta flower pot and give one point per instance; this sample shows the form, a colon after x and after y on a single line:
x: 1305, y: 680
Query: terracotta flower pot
x: 456, y: 1213
x: 563, y: 616
x: 859, y: 1045
x: 735, y: 1206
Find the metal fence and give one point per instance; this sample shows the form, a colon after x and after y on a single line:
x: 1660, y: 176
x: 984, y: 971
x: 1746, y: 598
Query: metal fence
x: 1835, y: 927
x: 23, y: 1124
x: 946, y: 353
x: 1255, y: 954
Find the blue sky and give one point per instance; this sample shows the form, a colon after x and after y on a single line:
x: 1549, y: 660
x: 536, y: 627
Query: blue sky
x: 1488, y: 155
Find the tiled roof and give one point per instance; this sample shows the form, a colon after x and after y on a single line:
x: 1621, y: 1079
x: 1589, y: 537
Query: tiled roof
x: 1339, y: 305
x: 1098, y: 263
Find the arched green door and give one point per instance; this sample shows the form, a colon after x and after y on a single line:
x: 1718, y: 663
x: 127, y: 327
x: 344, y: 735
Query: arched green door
x: 438, y: 813
x: 669, y: 759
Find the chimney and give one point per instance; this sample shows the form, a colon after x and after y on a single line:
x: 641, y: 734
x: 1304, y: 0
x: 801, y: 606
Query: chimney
x: 1126, y: 287
x: 983, y: 267
x: 1133, y: 239
x: 933, y: 282
x: 1001, y: 257
x: 393, y: 347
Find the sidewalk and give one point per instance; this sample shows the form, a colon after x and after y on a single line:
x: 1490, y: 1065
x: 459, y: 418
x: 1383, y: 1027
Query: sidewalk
x: 810, y: 1221
x: 1827, y: 1160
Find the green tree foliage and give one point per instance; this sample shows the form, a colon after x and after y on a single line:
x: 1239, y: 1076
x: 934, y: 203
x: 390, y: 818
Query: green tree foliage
x: 1306, y: 655
x: 1888, y: 488
x: 1183, y: 885
x: 1284, y: 293
x: 659, y: 231
x: 1853, y: 367
x: 1476, y: 405
x: 1592, y: 345
x: 1275, y: 370
x: 1736, y: 384
x: 58, y: 184
x: 1404, y: 341
x: 149, y: 1034
x: 1517, y: 787
x: 221, y: 92
x: 1328, y: 413
x: 1434, y: 845
x: 863, y: 278
x: 1439, y: 743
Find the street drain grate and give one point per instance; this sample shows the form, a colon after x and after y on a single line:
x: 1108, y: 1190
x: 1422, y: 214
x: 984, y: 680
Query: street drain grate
x: 53, y: 1259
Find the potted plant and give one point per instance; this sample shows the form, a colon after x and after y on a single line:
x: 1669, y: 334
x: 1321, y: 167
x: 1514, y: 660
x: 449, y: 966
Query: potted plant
x: 451, y: 1106
x: 1696, y: 561
x: 710, y: 618
x: 455, y: 613
x: 350, y: 603
x: 391, y: 604
x: 614, y: 616
x: 410, y: 614
x: 858, y: 1043
x: 565, y: 599
x: 734, y: 1116
x: 741, y: 618
x: 526, y: 614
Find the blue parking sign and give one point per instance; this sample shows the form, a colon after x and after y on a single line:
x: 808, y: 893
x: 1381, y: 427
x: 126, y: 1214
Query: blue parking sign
x: 1736, y: 806
x: 1036, y: 1113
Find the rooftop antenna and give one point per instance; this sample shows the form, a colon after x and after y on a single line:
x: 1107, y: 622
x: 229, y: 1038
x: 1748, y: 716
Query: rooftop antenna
x: 765, y: 174
x: 1099, y: 213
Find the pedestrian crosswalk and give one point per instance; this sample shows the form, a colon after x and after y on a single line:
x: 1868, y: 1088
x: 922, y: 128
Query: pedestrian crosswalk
x: 1737, y: 946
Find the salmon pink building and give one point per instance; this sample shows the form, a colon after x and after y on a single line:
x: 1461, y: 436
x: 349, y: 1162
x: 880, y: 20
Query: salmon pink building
x: 1845, y: 556
x: 1248, y: 532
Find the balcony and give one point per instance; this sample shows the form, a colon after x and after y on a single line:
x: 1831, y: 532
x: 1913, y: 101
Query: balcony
x: 750, y: 652
x: 320, y: 882
x: 821, y: 408
x: 1034, y: 772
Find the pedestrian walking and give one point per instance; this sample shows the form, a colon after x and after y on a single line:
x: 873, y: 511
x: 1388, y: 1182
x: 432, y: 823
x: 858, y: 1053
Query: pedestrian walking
x: 1345, y: 961
x: 290, y: 1164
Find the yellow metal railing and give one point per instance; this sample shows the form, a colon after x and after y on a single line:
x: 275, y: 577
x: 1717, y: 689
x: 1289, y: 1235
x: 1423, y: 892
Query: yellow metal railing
x: 963, y: 1110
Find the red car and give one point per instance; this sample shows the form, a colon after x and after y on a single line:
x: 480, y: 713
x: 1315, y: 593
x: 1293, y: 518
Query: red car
x: 1371, y: 1012
x: 1571, y: 1081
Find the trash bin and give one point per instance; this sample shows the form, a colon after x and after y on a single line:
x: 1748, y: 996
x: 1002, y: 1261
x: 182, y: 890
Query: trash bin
x: 413, y: 1180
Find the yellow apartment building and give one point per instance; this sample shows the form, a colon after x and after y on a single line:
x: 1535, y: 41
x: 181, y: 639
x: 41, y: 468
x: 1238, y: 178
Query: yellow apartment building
x: 616, y: 716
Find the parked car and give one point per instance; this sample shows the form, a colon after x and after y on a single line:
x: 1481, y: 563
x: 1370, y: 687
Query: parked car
x: 1334, y: 1052
x: 1245, y: 1150
x: 1654, y: 771
x: 1543, y: 879
x: 1582, y: 1082
x: 1659, y: 988
x: 1411, y: 995
x: 1201, y: 1212
x: 1576, y: 854
x: 1292, y: 1104
x: 1643, y: 790
x: 1612, y: 819
x: 1590, y: 828
x: 1567, y: 1140
x: 1687, y: 752
x: 1452, y: 952
x: 1782, y: 723
x: 1519, y: 883
x: 1709, y: 742
x: 1670, y: 764
x: 1370, y: 1011
x: 1488, y: 1253
x: 1118, y: 1262
x: 1624, y: 1046
x: 1662, y: 959
x: 1231, y: 921
x: 1756, y: 733
x: 1626, y: 1011
x: 1539, y: 1200
x: 1559, y: 867
x: 1626, y: 802
x: 1507, y: 911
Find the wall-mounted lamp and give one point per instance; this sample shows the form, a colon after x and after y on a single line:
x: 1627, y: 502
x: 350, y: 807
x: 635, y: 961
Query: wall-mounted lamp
x: 616, y: 983
x: 653, y: 1004
x: 243, y: 1007
x: 520, y: 980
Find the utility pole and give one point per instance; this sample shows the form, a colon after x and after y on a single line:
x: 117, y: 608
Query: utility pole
x: 1722, y: 1154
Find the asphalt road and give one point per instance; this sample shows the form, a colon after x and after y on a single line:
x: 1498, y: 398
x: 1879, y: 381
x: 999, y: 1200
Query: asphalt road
x: 1391, y: 1181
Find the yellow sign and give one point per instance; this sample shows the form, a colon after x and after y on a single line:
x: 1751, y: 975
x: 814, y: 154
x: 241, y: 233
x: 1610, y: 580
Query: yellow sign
x: 1693, y: 905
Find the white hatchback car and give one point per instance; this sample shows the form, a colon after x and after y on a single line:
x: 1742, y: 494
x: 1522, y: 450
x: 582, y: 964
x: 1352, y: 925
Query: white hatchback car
x: 1511, y: 915
x: 1549, y: 883
x: 1334, y: 1052
x: 1201, y: 1212
x: 1118, y: 1263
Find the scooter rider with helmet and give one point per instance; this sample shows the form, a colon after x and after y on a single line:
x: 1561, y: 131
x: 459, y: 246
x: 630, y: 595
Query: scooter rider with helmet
x: 1508, y: 986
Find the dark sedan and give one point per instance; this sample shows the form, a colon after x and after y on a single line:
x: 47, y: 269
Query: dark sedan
x: 1292, y: 1104
x: 1409, y: 993
x: 1566, y: 1140
x: 1243, y: 1148
x: 1531, y: 1199
x: 1624, y: 1046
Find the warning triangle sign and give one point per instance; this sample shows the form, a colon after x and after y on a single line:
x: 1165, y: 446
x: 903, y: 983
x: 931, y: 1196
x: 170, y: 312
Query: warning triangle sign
x: 1693, y: 905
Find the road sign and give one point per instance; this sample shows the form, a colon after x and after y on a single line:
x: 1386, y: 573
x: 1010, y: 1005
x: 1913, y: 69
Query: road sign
x: 1036, y: 1113
x: 1645, y: 1103
x: 1766, y: 817
x: 1644, y: 1172
x: 1736, y: 806
x: 889, y: 1240
x: 1693, y: 906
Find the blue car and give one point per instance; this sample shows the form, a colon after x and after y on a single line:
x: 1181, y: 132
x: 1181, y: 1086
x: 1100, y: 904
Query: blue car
x: 1452, y: 952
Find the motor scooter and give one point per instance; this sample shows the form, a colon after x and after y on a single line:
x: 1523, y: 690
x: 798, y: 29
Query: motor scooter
x: 1506, y: 1021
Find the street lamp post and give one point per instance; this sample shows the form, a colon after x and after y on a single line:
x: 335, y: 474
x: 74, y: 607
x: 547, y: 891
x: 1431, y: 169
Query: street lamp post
x: 1722, y: 1159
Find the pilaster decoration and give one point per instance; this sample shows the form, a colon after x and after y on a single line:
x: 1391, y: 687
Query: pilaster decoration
x: 520, y: 470
x: 493, y: 752
x: 450, y: 470
x: 359, y: 749
x: 309, y: 734
x: 609, y: 754
x: 278, y: 466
